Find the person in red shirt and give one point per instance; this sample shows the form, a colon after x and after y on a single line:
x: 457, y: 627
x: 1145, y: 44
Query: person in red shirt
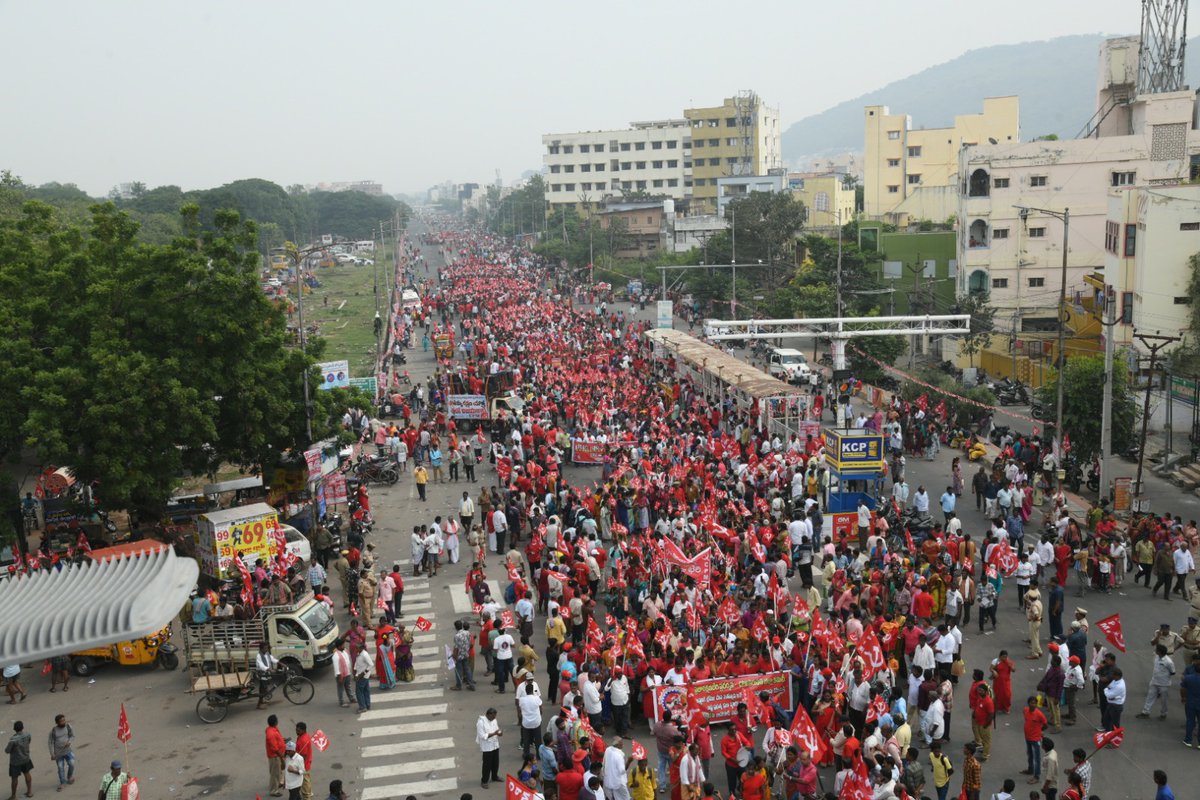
x: 275, y: 755
x: 304, y: 748
x: 569, y: 779
x: 983, y: 714
x: 1035, y: 723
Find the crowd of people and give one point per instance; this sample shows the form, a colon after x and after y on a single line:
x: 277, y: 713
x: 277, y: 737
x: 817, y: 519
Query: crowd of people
x: 699, y: 555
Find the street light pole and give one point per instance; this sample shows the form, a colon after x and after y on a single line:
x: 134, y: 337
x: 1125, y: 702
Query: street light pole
x: 733, y: 262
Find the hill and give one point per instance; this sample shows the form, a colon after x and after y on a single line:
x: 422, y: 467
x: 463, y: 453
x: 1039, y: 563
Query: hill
x: 1055, y: 79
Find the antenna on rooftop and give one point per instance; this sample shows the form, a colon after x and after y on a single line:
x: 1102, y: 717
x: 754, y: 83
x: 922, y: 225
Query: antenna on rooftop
x: 1164, y: 36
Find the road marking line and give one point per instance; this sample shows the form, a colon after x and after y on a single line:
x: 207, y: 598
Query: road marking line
x: 403, y: 748
x: 392, y: 696
x: 405, y: 729
x: 410, y: 711
x: 424, y: 651
x: 402, y: 789
x: 407, y: 768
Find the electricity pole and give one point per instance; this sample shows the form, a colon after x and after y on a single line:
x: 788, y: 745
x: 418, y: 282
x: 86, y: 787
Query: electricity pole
x: 1110, y: 322
x: 1155, y: 342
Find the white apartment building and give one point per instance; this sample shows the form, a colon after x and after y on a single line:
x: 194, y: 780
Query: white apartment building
x: 1016, y: 256
x: 587, y: 167
x: 1150, y: 237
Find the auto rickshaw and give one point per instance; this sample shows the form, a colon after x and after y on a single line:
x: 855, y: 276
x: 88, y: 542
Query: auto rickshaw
x: 155, y: 649
x: 443, y: 346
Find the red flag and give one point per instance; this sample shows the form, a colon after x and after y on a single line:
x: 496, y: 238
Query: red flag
x: 637, y: 751
x: 1005, y: 559
x: 922, y: 402
x: 424, y: 624
x: 131, y: 790
x: 773, y: 584
x: 320, y: 740
x: 507, y: 620
x: 759, y: 629
x: 941, y: 411
x: 857, y: 785
x: 693, y: 713
x: 693, y: 619
x: 1113, y: 738
x: 755, y: 707
x: 871, y: 652
x: 804, y: 733
x: 515, y: 790
x: 634, y: 645
x: 123, y: 732
x: 1111, y: 626
x: 783, y: 738
x: 610, y: 620
x: 800, y: 609
x: 877, y: 709
x: 728, y: 611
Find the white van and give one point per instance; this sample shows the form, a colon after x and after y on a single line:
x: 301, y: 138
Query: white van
x: 788, y: 365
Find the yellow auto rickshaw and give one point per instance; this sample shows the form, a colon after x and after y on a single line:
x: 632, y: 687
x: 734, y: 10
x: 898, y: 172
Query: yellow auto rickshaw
x: 443, y: 346
x: 155, y: 649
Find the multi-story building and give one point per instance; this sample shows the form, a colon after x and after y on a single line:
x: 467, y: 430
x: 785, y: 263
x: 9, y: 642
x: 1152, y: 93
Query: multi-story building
x: 1151, y: 235
x: 734, y: 187
x: 825, y: 195
x: 740, y: 137
x: 585, y: 168
x: 913, y: 173
x: 1013, y: 198
x: 643, y: 229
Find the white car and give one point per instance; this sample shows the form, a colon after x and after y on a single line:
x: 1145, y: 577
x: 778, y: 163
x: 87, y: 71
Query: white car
x: 788, y: 365
x: 297, y: 544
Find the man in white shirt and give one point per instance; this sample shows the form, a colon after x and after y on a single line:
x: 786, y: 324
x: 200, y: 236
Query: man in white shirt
x: 264, y: 664
x: 691, y: 773
x: 945, y: 649
x: 615, y: 771
x: 921, y: 500
x: 500, y: 526
x: 364, y: 669
x: 1184, y: 565
x: 618, y: 692
x: 293, y: 766
x: 923, y: 655
x: 1023, y: 575
x: 502, y: 649
x: 592, y: 701
x: 487, y: 737
x: 343, y: 673
x: 900, y: 493
x: 529, y: 704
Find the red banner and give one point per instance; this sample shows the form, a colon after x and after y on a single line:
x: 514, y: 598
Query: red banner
x: 804, y: 733
x: 845, y: 526
x: 320, y: 740
x: 1111, y: 626
x: 587, y: 452
x: 515, y: 790
x: 718, y: 697
x: 124, y: 734
x: 424, y: 624
x: 1114, y: 738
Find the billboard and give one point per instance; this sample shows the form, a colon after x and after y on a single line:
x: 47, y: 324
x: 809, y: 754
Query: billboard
x: 666, y: 315
x: 334, y: 374
x: 854, y: 452
x: 467, y: 406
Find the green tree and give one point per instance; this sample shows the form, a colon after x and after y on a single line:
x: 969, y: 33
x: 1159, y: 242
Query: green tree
x: 863, y: 352
x: 958, y: 412
x: 1083, y: 393
x: 982, y: 324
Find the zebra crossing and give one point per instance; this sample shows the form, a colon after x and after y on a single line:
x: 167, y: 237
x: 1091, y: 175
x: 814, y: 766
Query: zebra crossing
x: 406, y: 743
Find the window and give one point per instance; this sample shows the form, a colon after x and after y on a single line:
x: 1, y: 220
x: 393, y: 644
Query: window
x: 585, y: 167
x: 569, y: 168
x: 584, y: 148
x: 568, y: 148
x: 587, y: 187
x: 1130, y: 240
x: 1112, y: 235
x: 568, y: 187
x: 599, y: 168
x: 1124, y: 178
x: 731, y: 142
x: 554, y: 149
x: 672, y: 163
x: 658, y: 183
x: 714, y: 162
x: 556, y: 187
x: 893, y: 135
x: 640, y: 164
x: 1183, y: 301
x: 1000, y: 233
x: 914, y: 179
x: 639, y: 146
x: 598, y: 148
x: 714, y: 123
x: 1189, y: 226
x: 731, y: 161
x: 893, y: 162
x: 626, y: 185
x: 699, y: 181
x: 1037, y: 180
x: 672, y: 144
x: 554, y: 169
x: 1126, y: 308
x: 1037, y: 283
x: 698, y: 143
x: 731, y: 122
x: 656, y: 164
x: 656, y: 145
x: 999, y: 283
x: 1000, y: 183
x: 687, y: 182
x: 649, y: 220
x: 602, y: 186
x: 1037, y: 233
x: 914, y: 152
x: 714, y: 142
x: 641, y: 184
x: 626, y: 165
x: 821, y: 201
x: 687, y: 165
x: 624, y: 147
x: 893, y: 189
x: 672, y: 182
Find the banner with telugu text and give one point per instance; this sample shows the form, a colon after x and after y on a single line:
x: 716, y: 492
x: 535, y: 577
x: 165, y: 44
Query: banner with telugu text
x: 718, y: 698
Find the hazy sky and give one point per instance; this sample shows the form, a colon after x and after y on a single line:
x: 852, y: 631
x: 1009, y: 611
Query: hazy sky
x: 410, y: 94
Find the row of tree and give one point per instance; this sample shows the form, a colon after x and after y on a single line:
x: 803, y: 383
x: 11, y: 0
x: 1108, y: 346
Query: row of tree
x: 138, y: 363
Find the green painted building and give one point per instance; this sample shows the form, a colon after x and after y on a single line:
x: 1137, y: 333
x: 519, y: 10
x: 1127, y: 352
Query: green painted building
x: 919, y: 267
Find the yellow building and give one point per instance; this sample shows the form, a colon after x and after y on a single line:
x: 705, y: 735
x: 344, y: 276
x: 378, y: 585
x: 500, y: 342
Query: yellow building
x: 739, y: 137
x: 913, y: 173
x: 828, y: 200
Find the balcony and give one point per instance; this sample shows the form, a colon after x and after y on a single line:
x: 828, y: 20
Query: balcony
x: 977, y: 235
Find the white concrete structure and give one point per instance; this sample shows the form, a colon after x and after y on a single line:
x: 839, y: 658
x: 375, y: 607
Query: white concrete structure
x: 586, y: 167
x: 1140, y: 141
x: 1151, y: 235
x: 742, y: 185
x: 695, y: 231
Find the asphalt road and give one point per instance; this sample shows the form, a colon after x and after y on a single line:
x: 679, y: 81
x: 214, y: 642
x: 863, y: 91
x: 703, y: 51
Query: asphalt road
x: 419, y: 738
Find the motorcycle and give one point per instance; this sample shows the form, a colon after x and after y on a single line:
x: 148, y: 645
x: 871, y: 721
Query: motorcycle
x: 1074, y: 474
x: 376, y: 469
x: 1011, y: 393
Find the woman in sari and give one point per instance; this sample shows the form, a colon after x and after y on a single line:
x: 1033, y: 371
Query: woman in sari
x: 404, y: 659
x: 754, y: 781
x: 385, y: 662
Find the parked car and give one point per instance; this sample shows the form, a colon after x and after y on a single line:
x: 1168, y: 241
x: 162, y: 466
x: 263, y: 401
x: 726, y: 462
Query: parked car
x: 297, y: 544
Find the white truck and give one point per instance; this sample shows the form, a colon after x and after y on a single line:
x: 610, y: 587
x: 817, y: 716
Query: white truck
x: 301, y: 636
x: 788, y: 365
